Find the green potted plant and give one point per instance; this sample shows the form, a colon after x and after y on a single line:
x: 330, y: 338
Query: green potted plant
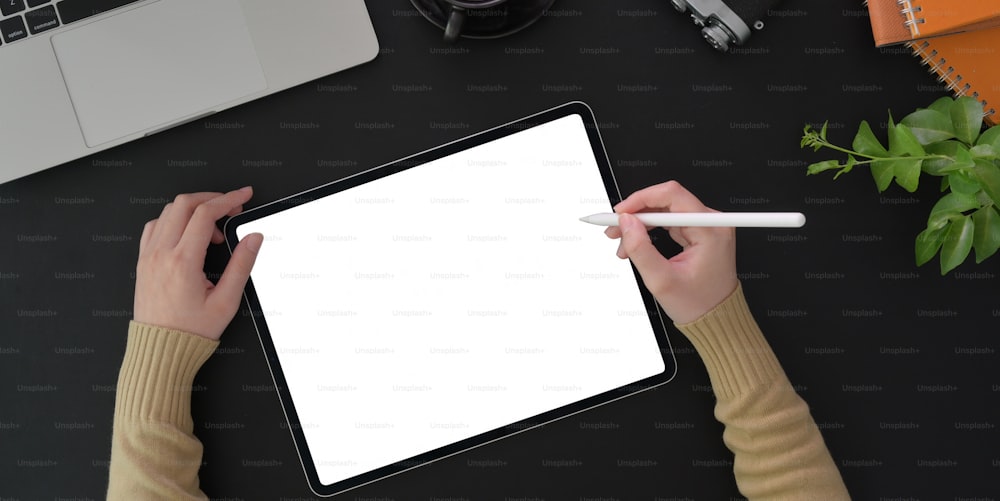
x: 943, y: 140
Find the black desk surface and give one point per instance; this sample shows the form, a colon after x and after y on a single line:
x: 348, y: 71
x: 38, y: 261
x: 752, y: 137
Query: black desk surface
x: 898, y: 364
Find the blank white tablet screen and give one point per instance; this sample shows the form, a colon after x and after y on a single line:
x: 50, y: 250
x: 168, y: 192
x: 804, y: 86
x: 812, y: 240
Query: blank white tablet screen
x: 450, y: 299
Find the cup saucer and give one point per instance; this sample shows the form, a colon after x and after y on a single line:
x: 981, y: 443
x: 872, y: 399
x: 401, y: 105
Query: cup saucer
x: 490, y: 22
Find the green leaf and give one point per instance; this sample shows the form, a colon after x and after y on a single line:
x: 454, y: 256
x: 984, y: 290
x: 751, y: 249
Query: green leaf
x: 811, y: 138
x: 950, y: 206
x: 958, y: 158
x: 851, y: 161
x: 907, y: 173
x: 967, y: 119
x: 927, y: 244
x: 818, y: 167
x: 990, y: 137
x: 986, y: 236
x: 984, y: 151
x: 903, y: 142
x: 866, y: 143
x: 963, y: 183
x: 929, y: 126
x: 882, y: 171
x: 988, y: 175
x: 944, y: 183
x: 943, y: 105
x: 822, y: 132
x: 984, y: 199
x: 806, y: 134
x: 957, y: 243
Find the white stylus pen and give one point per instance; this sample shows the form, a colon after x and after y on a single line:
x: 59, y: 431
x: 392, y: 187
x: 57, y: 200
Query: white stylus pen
x: 738, y: 219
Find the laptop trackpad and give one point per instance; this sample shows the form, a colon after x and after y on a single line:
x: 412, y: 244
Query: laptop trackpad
x: 154, y: 65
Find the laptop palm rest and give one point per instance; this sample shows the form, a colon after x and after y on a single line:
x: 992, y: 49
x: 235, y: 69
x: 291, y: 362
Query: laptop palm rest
x: 136, y: 72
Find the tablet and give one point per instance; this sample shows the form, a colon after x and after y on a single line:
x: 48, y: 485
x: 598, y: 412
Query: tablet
x: 449, y: 299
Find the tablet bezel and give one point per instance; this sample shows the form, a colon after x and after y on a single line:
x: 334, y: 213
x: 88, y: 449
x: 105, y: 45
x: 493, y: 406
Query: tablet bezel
x: 656, y: 316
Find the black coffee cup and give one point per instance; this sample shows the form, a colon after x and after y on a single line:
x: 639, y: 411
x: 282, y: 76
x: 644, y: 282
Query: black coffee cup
x: 481, y: 18
x: 456, y: 19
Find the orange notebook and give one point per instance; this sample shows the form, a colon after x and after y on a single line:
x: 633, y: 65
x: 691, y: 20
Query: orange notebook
x: 898, y: 21
x: 968, y: 63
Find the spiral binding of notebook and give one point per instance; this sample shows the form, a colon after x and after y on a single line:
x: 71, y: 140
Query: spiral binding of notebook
x: 900, y: 21
x: 944, y: 55
x: 910, y: 12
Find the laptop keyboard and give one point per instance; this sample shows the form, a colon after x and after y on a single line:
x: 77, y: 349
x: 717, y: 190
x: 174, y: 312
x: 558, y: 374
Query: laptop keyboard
x: 21, y: 19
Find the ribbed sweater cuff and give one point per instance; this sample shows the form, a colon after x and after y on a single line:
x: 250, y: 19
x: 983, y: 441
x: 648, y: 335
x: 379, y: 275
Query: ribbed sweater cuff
x: 735, y: 353
x: 157, y: 374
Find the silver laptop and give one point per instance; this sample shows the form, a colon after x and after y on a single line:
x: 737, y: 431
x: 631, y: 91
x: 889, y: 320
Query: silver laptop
x: 80, y: 76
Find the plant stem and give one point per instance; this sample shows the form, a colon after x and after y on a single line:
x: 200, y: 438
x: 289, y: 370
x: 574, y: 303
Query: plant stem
x: 925, y: 157
x: 844, y: 150
x: 832, y: 146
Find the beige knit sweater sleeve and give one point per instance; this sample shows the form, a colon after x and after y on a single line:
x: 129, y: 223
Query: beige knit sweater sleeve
x: 779, y: 453
x: 154, y: 453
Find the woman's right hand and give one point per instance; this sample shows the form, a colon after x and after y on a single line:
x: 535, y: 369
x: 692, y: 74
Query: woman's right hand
x: 691, y: 283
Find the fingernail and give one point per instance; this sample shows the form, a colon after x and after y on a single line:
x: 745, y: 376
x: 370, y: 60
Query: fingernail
x: 253, y: 243
x: 246, y: 188
x: 625, y: 222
